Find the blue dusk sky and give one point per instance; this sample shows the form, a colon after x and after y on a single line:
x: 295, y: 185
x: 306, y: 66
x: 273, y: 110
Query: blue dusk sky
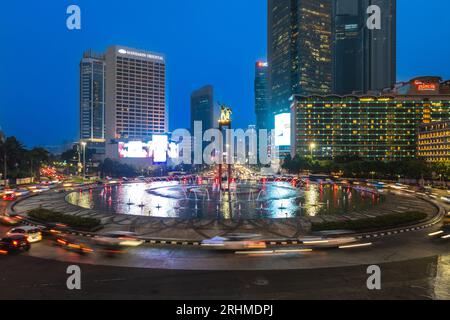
x: 205, y: 41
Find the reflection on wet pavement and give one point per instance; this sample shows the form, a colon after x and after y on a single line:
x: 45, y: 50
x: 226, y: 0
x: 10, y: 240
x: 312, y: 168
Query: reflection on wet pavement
x: 244, y: 200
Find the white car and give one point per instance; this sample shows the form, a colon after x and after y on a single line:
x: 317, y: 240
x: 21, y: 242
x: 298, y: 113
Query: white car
x: 445, y: 199
x: 33, y: 234
x: 237, y: 242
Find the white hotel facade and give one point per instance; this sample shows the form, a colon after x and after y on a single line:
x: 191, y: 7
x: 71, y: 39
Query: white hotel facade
x: 135, y: 94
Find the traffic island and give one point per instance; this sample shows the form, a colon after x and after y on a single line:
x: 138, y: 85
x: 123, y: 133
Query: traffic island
x: 398, y: 210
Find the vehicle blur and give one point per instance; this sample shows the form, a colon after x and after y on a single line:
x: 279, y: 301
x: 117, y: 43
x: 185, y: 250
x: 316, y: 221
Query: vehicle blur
x: 74, y: 244
x: 327, y: 243
x: 10, y: 220
x: 234, y: 242
x: 33, y: 234
x: 9, y: 195
x: 117, y: 240
x: 14, y: 243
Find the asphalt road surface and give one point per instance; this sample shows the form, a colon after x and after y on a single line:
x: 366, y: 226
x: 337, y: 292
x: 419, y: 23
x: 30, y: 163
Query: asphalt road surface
x: 34, y: 278
x: 413, y: 267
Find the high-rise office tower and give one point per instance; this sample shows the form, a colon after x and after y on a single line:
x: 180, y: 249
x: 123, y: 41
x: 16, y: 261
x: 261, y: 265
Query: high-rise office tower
x: 364, y: 59
x: 203, y: 108
x: 299, y: 50
x: 262, y: 95
x: 92, y: 100
x: 136, y: 94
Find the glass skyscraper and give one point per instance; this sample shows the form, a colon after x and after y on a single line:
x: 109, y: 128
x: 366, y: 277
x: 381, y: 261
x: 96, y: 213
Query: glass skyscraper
x: 299, y: 50
x: 262, y: 101
x: 364, y: 60
x: 92, y: 100
x: 203, y: 108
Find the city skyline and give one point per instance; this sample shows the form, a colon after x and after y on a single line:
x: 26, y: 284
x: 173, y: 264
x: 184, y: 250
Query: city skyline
x: 272, y: 150
x: 233, y: 80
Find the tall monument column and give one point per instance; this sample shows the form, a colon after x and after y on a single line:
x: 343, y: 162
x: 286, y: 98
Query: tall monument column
x: 225, y: 123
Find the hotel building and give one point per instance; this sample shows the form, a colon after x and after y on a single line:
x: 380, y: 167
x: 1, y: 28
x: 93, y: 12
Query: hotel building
x: 434, y: 141
x: 136, y: 94
x: 382, y: 127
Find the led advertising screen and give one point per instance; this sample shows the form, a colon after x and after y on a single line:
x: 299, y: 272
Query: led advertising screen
x: 160, y: 144
x: 173, y: 151
x: 134, y: 149
x: 283, y: 130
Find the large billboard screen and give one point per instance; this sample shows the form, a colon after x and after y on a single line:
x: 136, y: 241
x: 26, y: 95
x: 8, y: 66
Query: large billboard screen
x: 283, y: 130
x: 160, y: 145
x: 135, y: 149
x: 159, y: 149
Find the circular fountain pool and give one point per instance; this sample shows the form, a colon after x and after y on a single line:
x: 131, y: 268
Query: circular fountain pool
x: 244, y: 200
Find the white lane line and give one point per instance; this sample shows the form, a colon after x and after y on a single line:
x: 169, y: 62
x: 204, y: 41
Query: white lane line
x: 254, y: 252
x: 356, y: 246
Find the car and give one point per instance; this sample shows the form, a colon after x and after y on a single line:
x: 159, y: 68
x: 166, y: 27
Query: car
x: 9, y: 196
x: 118, y: 239
x: 234, y: 242
x: 14, y: 243
x: 33, y: 234
x: 74, y: 244
x: 52, y: 230
x: 446, y: 199
x: 10, y: 220
x: 446, y: 222
x: 22, y: 192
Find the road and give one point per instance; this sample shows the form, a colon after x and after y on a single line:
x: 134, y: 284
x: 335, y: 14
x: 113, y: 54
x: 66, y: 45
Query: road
x: 413, y: 267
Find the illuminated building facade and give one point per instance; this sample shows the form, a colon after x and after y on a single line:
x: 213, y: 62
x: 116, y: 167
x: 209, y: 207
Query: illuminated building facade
x: 371, y: 127
x: 299, y: 50
x: 434, y: 141
x: 136, y: 94
x: 262, y: 101
x: 92, y: 101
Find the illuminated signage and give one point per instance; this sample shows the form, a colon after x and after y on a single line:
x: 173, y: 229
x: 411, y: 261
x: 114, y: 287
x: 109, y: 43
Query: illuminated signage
x: 262, y: 64
x: 134, y: 149
x: 421, y: 86
x: 426, y: 87
x: 283, y: 130
x: 141, y: 54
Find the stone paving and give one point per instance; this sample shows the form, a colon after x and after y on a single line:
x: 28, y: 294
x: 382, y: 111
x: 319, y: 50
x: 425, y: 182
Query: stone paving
x: 171, y: 228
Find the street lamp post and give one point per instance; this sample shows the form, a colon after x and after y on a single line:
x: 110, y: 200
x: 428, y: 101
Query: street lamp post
x: 5, y: 169
x: 3, y: 140
x: 83, y: 144
x: 312, y: 147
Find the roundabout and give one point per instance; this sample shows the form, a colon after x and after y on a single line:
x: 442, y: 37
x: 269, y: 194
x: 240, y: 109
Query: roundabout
x: 245, y: 200
x: 192, y: 211
x: 407, y: 249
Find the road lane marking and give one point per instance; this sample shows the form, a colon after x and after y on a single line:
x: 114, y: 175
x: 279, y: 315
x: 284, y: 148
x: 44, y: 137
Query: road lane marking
x: 356, y: 246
